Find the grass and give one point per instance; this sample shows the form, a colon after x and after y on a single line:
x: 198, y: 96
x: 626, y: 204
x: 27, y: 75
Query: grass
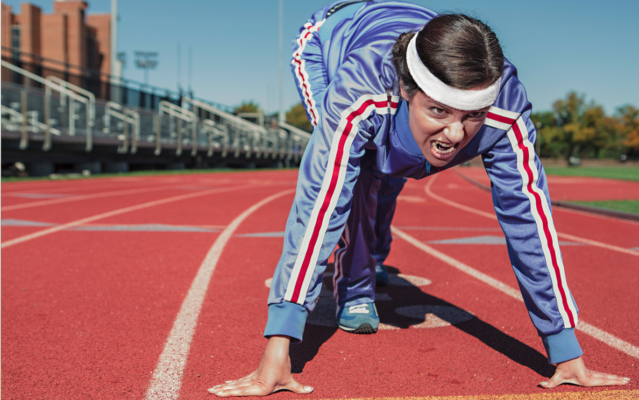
x: 627, y: 173
x: 618, y: 205
x: 136, y: 173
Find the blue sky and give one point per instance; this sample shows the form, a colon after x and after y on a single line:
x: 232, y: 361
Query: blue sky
x: 557, y: 46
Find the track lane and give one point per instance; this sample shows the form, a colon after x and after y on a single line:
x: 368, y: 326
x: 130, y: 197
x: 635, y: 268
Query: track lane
x: 73, y: 198
x: 589, y: 271
x: 228, y: 341
x: 574, y: 188
x: 167, y: 376
x: 613, y: 289
x: 478, y: 206
x: 577, y: 223
x: 80, y: 185
x: 404, y: 362
x: 73, y: 328
x: 104, y: 215
x: 140, y: 278
x: 603, y: 335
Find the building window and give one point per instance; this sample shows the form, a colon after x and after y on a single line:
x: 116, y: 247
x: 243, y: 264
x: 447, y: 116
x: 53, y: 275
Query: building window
x: 15, y: 41
x: 15, y: 37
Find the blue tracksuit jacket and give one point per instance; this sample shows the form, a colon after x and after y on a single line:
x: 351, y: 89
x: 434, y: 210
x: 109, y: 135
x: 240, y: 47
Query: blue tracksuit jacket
x: 346, y: 78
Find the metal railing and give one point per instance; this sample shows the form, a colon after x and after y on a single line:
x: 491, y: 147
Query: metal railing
x: 46, y: 106
x: 181, y: 114
x: 71, y: 113
x: 81, y: 92
x: 16, y: 121
x: 128, y: 117
x: 298, y: 138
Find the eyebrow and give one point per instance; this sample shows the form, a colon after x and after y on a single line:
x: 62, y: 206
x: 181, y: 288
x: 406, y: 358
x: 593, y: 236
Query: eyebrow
x: 444, y: 106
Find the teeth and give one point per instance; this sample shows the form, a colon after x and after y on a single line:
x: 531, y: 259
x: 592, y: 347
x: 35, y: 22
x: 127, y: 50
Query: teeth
x: 443, y: 148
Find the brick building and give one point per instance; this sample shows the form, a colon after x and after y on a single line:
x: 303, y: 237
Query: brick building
x: 68, y: 41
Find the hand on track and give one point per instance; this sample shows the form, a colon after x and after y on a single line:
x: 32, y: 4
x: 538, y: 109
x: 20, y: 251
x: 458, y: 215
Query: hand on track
x: 272, y: 375
x: 575, y: 372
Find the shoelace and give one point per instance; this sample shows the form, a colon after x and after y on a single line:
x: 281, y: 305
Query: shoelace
x: 359, y: 309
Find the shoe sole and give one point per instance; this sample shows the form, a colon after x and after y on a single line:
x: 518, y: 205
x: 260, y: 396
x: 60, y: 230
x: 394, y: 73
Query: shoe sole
x: 363, y: 329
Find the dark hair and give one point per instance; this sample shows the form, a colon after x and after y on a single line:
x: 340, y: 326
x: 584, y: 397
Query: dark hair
x: 460, y: 51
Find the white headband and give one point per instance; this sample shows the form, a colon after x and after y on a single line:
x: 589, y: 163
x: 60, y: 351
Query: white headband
x: 465, y: 100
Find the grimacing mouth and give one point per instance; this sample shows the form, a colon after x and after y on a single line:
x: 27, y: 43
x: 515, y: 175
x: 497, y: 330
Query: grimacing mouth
x: 443, y: 147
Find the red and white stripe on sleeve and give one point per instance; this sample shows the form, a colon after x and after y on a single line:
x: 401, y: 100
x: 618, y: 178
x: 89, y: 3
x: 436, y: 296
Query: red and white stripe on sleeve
x: 300, y: 70
x: 500, y: 118
x: 331, y: 188
x: 518, y: 136
x: 523, y: 148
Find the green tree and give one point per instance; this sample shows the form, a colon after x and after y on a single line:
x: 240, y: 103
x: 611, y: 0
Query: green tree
x: 248, y: 107
x: 627, y: 124
x: 551, y: 136
x: 568, y: 115
x: 296, y: 116
x: 596, y: 131
x: 577, y: 128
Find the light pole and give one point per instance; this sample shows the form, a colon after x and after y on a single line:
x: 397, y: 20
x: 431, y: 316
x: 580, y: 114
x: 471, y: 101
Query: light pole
x: 281, y: 99
x: 146, y: 60
x: 116, y: 65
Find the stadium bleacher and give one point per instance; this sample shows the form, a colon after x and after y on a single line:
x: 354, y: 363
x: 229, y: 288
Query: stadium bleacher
x: 52, y: 125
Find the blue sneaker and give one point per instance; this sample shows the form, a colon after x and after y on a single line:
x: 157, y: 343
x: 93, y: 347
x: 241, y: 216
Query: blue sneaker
x: 362, y: 318
x: 381, y: 276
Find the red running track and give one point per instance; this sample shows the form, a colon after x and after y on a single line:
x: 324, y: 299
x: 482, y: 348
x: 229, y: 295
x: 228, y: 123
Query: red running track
x: 575, y: 188
x: 86, y: 312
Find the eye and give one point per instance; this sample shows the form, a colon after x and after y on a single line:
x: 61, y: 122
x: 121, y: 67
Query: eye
x: 438, y: 111
x: 476, y: 114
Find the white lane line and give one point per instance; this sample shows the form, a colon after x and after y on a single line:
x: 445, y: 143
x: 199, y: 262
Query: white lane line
x: 82, y: 221
x: 598, y: 244
x: 88, y: 184
x: 582, y: 326
x: 86, y: 197
x: 608, y: 339
x: 486, y: 188
x: 451, y: 203
x: 167, y: 377
x: 459, y: 265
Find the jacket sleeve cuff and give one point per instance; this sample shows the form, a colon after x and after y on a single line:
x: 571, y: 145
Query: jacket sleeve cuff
x: 562, y: 346
x: 286, y: 319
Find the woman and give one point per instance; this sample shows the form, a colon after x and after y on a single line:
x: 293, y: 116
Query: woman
x: 387, y: 102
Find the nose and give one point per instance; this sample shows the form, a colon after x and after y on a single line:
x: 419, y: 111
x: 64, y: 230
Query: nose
x: 454, y: 132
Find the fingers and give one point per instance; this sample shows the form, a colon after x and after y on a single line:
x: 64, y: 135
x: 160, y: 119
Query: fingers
x: 294, y: 386
x: 229, y: 386
x: 256, y: 388
x: 603, y: 379
x: 232, y: 384
x: 250, y: 390
x: 592, y: 378
x: 610, y: 376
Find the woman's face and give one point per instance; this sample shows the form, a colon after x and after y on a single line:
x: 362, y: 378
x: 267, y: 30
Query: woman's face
x: 439, y: 130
